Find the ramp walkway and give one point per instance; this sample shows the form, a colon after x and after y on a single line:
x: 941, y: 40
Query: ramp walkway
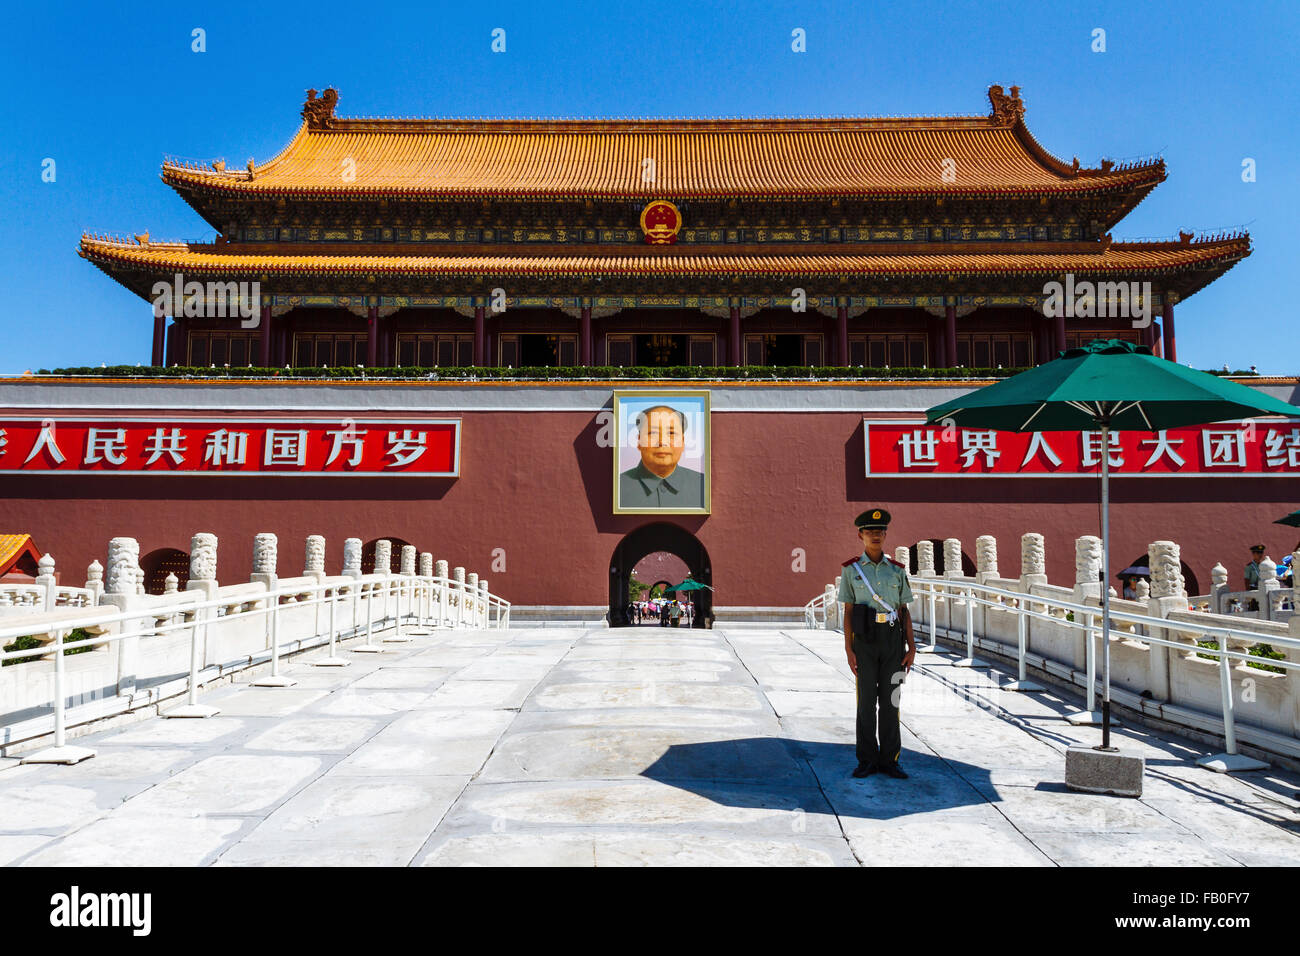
x: 590, y: 746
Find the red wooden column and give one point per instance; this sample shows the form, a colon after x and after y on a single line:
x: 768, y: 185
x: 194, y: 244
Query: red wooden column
x: 479, y: 332
x: 159, y: 338
x: 1059, y: 335
x: 584, y: 336
x: 842, y: 335
x: 1171, y: 348
x: 950, y: 335
x: 264, y: 341
x: 372, y: 336
x: 734, y: 337
x: 1156, y: 350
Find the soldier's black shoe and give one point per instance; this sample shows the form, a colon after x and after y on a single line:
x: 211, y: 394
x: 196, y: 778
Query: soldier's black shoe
x: 894, y: 770
x: 865, y: 770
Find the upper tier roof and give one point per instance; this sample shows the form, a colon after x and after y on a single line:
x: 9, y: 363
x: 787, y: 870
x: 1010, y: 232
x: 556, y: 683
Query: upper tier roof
x: 991, y: 155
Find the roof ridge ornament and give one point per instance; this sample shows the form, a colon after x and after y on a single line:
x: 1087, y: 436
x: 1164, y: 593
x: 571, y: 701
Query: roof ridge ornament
x: 1007, y: 110
x: 319, y: 113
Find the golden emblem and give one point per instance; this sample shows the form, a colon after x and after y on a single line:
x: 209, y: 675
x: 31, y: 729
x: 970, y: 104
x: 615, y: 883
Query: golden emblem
x: 661, y: 221
x: 875, y: 514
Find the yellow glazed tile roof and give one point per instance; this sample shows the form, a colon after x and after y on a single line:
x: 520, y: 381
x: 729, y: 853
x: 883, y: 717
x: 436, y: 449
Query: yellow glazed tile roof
x: 11, y: 547
x: 683, y: 159
x: 1119, y: 257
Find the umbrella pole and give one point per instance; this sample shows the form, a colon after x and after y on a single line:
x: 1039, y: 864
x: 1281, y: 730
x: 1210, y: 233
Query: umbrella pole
x: 1105, y: 587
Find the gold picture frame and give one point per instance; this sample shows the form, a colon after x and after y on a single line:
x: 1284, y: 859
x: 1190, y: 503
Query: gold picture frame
x: 649, y: 438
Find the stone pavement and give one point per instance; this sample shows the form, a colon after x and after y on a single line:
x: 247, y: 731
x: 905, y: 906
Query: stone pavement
x: 631, y: 746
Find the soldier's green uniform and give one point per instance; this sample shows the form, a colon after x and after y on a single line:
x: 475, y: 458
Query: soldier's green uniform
x: 878, y: 645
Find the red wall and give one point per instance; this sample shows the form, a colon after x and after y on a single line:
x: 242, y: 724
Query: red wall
x: 536, y: 485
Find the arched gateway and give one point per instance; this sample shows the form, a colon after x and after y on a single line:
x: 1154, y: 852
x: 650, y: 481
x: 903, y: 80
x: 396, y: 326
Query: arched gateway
x: 647, y: 539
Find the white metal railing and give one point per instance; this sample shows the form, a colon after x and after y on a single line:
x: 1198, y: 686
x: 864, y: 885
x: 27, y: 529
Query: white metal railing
x: 1124, y: 624
x: 369, y: 603
x: 965, y: 595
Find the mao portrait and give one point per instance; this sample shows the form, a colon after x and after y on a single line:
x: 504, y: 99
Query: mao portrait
x: 662, y: 453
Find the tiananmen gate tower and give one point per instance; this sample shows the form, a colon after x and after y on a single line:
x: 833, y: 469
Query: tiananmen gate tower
x: 458, y: 334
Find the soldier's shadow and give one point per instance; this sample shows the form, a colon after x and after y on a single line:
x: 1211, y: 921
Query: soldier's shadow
x: 776, y: 773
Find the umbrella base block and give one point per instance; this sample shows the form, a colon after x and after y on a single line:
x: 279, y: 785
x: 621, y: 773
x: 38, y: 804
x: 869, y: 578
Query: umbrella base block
x: 1089, y: 770
x: 1230, y: 763
x: 1023, y: 687
x: 1090, y: 718
x: 971, y: 662
x: 273, y: 681
x: 65, y: 754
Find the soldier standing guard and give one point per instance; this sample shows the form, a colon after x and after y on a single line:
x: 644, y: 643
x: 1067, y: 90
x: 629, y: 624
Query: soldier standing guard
x: 878, y: 641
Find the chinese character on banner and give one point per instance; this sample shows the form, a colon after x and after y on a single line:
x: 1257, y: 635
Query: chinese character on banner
x: 1038, y: 443
x: 226, y: 448
x: 46, y: 440
x: 1224, y: 447
x: 976, y: 442
x: 162, y: 443
x: 1163, y: 447
x: 1282, y: 449
x: 406, y: 448
x: 285, y: 447
x: 347, y: 436
x: 1091, y: 456
x: 105, y: 444
x: 919, y: 448
x: 3, y: 441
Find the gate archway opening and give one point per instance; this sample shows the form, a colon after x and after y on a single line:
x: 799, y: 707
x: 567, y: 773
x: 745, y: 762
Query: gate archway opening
x: 659, y: 536
x: 157, y: 564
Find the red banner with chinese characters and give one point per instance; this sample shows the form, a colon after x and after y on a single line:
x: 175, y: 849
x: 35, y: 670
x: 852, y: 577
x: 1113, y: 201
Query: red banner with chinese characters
x: 254, y: 446
x: 1233, y: 449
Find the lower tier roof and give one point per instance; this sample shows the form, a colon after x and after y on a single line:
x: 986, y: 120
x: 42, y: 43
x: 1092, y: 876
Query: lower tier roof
x: 1129, y: 261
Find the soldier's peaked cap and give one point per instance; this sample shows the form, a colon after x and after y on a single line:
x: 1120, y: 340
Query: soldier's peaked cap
x: 873, y: 518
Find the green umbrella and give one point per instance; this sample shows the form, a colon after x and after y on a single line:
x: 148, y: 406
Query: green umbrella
x: 1102, y: 386
x: 689, y: 585
x: 1293, y: 519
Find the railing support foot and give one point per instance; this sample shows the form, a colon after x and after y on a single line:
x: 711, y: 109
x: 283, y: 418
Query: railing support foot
x: 64, y: 754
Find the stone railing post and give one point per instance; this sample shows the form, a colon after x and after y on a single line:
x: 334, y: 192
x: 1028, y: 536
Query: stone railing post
x: 1168, y: 594
x: 120, y: 591
x: 426, y: 564
x: 952, y: 558
x: 314, y: 562
x: 45, y: 579
x: 1268, y: 583
x: 458, y: 593
x: 444, y: 597
x: 408, y: 560
x: 265, y: 558
x: 383, y: 556
x: 95, y: 581
x: 925, y: 559
x: 986, y: 558
x: 352, y: 557
x: 203, y: 564
x: 1218, y: 587
x: 1087, y: 568
x: 171, y: 584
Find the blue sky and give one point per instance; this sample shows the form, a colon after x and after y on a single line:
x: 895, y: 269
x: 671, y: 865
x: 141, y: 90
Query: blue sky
x: 108, y: 91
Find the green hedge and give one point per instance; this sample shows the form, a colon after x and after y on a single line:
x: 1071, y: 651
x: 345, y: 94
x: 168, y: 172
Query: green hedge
x: 28, y: 643
x: 551, y: 373
x: 1265, y: 651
